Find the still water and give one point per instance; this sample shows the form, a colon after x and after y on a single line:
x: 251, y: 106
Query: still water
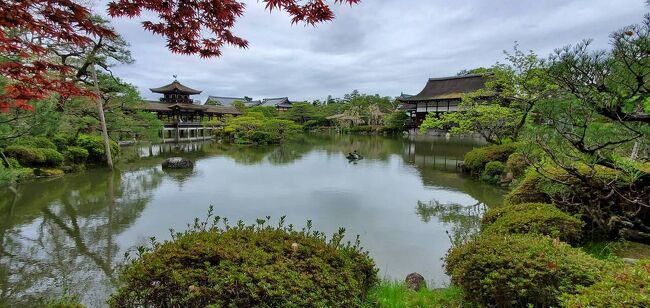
x: 406, y: 200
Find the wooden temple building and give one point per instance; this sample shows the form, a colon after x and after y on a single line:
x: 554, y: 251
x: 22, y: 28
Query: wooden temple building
x: 182, y: 116
x: 440, y: 95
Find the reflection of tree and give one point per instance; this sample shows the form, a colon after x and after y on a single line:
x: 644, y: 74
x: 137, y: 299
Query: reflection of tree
x: 65, y: 238
x: 465, y: 220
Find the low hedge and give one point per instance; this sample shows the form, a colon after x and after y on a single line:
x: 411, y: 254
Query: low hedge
x: 535, y: 218
x: 76, y: 155
x: 39, y: 142
x: 245, y: 266
x: 626, y: 287
x: 95, y: 146
x: 26, y: 156
x: 493, y: 171
x: 529, y: 190
x: 517, y: 270
x: 476, y: 159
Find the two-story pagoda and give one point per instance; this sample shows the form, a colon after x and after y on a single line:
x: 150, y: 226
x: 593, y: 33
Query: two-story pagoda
x: 176, y: 105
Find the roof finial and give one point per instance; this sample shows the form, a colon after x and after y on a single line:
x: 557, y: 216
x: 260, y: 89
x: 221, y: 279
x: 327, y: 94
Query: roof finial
x: 175, y: 77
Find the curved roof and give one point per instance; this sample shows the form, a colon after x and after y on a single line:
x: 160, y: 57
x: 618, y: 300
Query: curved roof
x: 448, y: 88
x: 175, y: 87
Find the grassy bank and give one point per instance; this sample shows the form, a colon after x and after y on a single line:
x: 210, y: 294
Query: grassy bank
x: 394, y: 294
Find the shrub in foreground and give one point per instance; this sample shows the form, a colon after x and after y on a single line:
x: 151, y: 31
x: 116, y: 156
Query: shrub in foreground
x: 516, y: 270
x: 493, y: 171
x: 476, y: 159
x: 95, y: 147
x: 536, y: 218
x: 26, y: 156
x: 625, y: 287
x: 245, y: 266
x: 530, y: 189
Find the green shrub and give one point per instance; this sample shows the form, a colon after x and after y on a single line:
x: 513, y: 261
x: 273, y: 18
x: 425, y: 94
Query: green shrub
x: 625, y: 287
x: 396, y: 294
x: 529, y: 190
x: 39, y: 142
x: 76, y: 154
x: 493, y: 171
x: 476, y: 159
x: 362, y: 129
x: 62, y: 141
x: 95, y: 146
x: 516, y: 164
x: 535, y: 218
x: 52, y: 157
x: 319, y: 122
x: 246, y: 266
x: 261, y: 137
x: 516, y: 270
x: 26, y: 156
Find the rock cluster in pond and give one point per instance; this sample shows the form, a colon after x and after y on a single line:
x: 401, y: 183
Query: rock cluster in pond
x: 415, y: 281
x: 177, y: 163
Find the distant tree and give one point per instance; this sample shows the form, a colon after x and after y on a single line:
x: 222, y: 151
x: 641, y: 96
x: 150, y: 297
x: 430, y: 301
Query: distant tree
x: 241, y: 106
x: 300, y: 112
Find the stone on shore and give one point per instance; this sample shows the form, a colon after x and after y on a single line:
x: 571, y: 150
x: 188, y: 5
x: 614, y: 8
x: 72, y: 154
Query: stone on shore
x: 415, y: 281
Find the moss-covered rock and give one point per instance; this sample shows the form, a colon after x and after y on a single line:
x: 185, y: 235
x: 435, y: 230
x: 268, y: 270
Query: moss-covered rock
x: 517, y: 270
x: 534, y: 218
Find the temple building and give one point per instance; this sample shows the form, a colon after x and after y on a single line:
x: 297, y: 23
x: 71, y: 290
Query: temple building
x: 176, y: 106
x: 281, y: 103
x: 182, y: 116
x: 440, y: 95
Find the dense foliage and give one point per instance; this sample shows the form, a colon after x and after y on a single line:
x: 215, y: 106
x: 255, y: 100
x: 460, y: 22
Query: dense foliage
x: 533, y: 218
x: 476, y: 159
x: 625, y: 286
x: 517, y: 270
x: 244, y: 266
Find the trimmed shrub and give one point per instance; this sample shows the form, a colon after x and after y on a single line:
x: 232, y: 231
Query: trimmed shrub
x: 248, y: 266
x: 517, y: 270
x: 493, y: 171
x: 52, y: 157
x: 529, y: 190
x: 76, y: 155
x: 626, y: 287
x: 62, y: 141
x: 26, y: 156
x: 95, y: 146
x: 476, y: 159
x: 535, y: 218
x: 516, y: 164
x: 39, y: 142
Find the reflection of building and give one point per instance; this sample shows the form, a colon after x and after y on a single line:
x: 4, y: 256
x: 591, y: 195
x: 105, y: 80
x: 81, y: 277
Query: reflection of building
x: 181, y: 116
x: 440, y: 95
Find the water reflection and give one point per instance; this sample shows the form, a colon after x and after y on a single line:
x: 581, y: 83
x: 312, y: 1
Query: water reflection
x: 71, y: 232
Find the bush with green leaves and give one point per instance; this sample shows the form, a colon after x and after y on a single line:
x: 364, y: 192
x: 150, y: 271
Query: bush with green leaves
x: 534, y: 218
x: 516, y: 270
x: 77, y: 155
x: 52, y: 158
x: 26, y: 156
x: 63, y: 140
x: 493, y: 171
x: 529, y: 189
x: 516, y: 164
x: 39, y: 142
x: 476, y: 159
x: 245, y: 266
x: 628, y: 286
x: 94, y: 144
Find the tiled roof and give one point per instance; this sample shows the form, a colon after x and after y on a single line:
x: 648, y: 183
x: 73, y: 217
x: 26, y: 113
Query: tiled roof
x: 448, y: 88
x: 175, y: 87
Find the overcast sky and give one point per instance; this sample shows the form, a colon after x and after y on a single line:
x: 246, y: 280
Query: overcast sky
x: 380, y: 46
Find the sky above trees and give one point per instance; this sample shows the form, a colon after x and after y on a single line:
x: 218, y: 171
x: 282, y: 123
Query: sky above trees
x: 378, y: 46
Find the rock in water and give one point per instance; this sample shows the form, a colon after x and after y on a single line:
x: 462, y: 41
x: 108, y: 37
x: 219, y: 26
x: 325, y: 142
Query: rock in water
x: 415, y: 281
x: 177, y: 163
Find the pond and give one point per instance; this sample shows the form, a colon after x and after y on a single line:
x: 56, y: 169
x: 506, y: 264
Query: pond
x: 406, y: 200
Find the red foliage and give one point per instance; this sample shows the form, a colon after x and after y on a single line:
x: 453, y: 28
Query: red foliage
x: 183, y: 21
x: 28, y: 26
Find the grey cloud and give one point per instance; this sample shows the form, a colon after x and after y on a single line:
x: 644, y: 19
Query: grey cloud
x: 379, y: 46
